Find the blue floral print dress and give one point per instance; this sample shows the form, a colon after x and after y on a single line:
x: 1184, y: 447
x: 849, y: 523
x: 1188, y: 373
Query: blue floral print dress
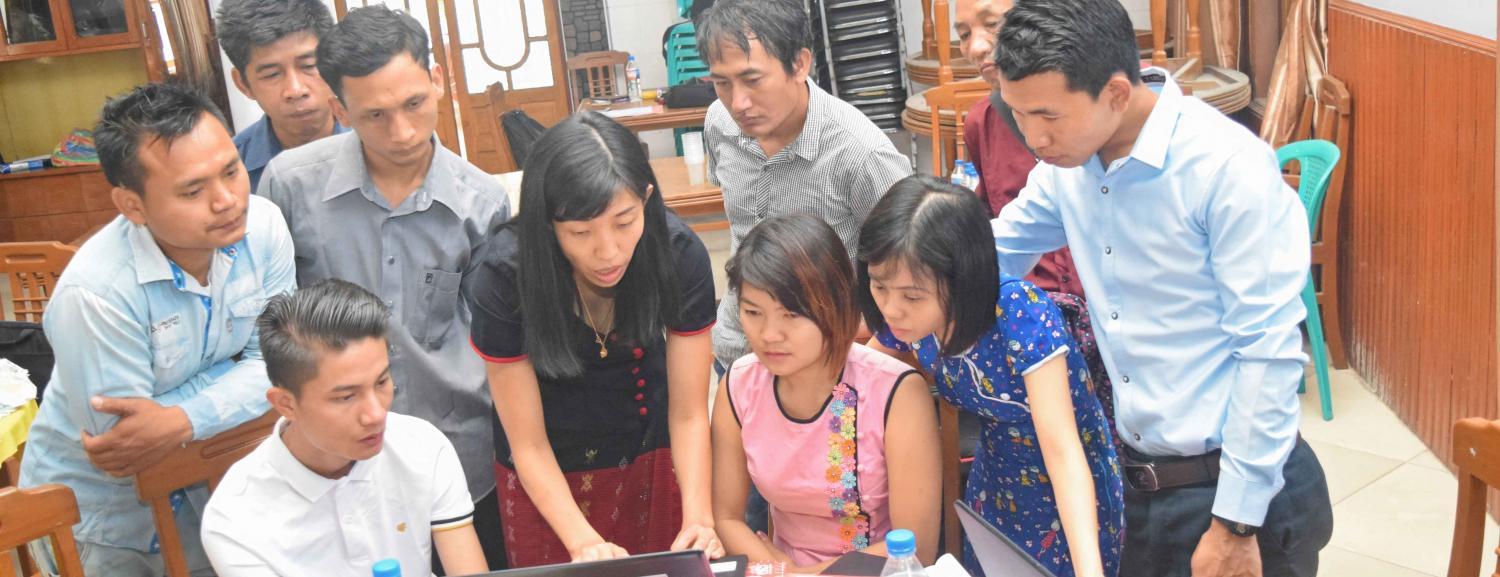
x: 1009, y: 485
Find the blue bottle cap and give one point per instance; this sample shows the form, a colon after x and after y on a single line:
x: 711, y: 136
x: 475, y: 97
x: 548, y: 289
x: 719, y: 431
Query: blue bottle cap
x: 387, y: 568
x: 901, y: 542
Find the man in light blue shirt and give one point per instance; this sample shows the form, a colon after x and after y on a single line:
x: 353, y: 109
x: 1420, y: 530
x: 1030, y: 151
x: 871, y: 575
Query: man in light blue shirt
x: 1194, y: 254
x: 153, y: 324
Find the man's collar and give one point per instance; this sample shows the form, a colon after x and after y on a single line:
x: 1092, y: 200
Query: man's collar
x: 151, y: 263
x: 350, y: 174
x: 1156, y: 134
x: 261, y: 144
x: 304, y: 481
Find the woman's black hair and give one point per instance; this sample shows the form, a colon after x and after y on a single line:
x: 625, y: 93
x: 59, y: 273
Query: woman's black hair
x: 573, y: 173
x: 941, y: 232
x: 802, y: 263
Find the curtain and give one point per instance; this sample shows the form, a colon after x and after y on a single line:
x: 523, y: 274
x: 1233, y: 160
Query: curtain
x: 1224, y: 32
x: 1301, y: 63
x: 190, y: 29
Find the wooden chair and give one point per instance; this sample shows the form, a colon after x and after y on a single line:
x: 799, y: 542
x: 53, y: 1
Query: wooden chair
x: 598, y: 72
x: 1476, y: 451
x: 30, y: 514
x: 1327, y: 118
x: 499, y: 106
x: 203, y: 461
x: 958, y: 97
x: 953, y: 532
x: 33, y: 269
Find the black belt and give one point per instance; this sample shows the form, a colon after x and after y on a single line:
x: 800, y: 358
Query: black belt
x: 1151, y: 474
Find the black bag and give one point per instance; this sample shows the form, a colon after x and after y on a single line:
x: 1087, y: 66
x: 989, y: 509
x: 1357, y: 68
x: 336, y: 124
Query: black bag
x: 25, y: 345
x: 522, y: 131
x: 693, y: 93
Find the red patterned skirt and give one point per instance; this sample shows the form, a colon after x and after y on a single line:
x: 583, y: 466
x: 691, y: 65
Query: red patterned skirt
x: 637, y: 507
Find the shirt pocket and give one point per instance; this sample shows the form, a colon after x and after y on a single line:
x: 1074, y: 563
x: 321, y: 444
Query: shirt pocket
x: 169, y: 344
x: 436, y: 307
x: 242, y: 316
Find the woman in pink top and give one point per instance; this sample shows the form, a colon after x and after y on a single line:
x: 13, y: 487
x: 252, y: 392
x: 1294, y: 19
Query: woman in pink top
x: 840, y: 439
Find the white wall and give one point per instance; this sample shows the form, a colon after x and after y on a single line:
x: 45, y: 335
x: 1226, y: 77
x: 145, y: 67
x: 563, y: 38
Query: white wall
x: 1473, y: 16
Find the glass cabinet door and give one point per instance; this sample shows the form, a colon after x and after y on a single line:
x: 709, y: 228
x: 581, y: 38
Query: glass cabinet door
x: 30, y: 26
x: 95, y: 18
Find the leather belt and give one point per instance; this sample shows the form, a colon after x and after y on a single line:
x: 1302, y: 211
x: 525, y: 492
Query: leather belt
x: 1151, y: 474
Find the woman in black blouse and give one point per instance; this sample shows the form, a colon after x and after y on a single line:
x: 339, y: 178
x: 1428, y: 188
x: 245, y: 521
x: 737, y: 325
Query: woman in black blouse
x: 593, y: 308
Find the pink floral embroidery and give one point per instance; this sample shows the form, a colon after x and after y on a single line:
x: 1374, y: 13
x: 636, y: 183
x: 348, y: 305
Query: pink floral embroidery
x: 842, y: 474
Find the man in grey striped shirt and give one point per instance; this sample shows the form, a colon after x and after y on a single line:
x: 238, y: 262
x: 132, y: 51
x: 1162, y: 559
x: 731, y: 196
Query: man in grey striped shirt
x: 776, y: 142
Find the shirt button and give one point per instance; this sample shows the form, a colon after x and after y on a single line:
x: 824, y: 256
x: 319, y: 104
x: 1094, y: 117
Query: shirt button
x: 390, y: 260
x: 1109, y: 250
x: 1126, y: 378
x: 1114, y: 316
x: 643, y: 411
x: 1067, y: 278
x: 640, y: 396
x: 1137, y: 436
x: 1104, y: 189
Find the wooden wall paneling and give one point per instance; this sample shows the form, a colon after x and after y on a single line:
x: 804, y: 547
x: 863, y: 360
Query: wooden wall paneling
x: 1419, y: 246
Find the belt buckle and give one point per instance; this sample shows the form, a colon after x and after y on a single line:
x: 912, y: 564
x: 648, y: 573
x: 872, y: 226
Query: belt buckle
x: 1143, y: 477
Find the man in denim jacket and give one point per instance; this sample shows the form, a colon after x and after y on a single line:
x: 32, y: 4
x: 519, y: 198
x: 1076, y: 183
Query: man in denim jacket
x: 153, y: 324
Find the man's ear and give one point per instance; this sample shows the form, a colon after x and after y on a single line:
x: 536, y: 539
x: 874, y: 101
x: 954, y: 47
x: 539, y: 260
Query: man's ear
x: 802, y: 66
x: 1118, y: 91
x: 130, y: 203
x: 283, y: 402
x: 241, y: 83
x: 340, y: 113
x: 437, y: 78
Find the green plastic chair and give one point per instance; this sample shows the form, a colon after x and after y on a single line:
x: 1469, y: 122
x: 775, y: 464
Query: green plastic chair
x: 1317, y: 159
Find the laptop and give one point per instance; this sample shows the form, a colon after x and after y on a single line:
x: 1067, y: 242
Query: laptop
x: 668, y: 564
x: 997, y: 554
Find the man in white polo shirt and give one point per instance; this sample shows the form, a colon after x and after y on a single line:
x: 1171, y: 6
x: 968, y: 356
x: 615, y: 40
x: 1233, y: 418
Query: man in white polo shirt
x: 342, y: 483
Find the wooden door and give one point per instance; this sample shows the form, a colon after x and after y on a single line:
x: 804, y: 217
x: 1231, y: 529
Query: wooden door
x: 427, y: 13
x: 517, y: 43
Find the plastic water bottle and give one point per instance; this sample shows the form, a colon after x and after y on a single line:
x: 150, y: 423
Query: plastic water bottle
x: 387, y: 568
x: 971, y: 176
x: 632, y: 80
x: 958, y: 177
x: 901, y: 545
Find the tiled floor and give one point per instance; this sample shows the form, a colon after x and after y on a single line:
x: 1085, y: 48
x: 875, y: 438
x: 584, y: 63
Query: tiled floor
x: 1393, y: 502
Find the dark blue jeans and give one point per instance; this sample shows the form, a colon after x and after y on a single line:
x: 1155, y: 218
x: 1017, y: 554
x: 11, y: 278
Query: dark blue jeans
x: 1163, y: 528
x: 757, y: 510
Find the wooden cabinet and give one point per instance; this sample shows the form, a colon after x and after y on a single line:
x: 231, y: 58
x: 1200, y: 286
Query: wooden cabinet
x: 34, y: 28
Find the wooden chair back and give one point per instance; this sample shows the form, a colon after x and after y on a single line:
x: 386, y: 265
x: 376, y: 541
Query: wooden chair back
x: 1476, y: 451
x: 953, y: 531
x: 32, y: 269
x: 598, y: 71
x: 30, y: 514
x: 499, y: 105
x: 203, y: 461
x: 1328, y: 117
x: 957, y: 97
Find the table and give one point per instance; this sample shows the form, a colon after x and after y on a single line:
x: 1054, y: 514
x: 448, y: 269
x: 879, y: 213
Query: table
x: 13, y: 429
x: 691, y: 201
x: 659, y: 118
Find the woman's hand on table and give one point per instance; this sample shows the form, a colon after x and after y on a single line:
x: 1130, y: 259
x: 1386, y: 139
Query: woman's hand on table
x: 700, y: 537
x: 598, y: 552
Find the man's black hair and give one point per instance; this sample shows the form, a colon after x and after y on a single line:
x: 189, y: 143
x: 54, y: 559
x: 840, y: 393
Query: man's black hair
x: 244, y: 25
x: 1088, y: 41
x: 148, y: 112
x: 366, y: 40
x: 781, y: 26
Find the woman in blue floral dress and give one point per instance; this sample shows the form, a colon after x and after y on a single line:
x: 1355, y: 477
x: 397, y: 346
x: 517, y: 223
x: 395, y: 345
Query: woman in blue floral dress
x: 1045, y: 469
